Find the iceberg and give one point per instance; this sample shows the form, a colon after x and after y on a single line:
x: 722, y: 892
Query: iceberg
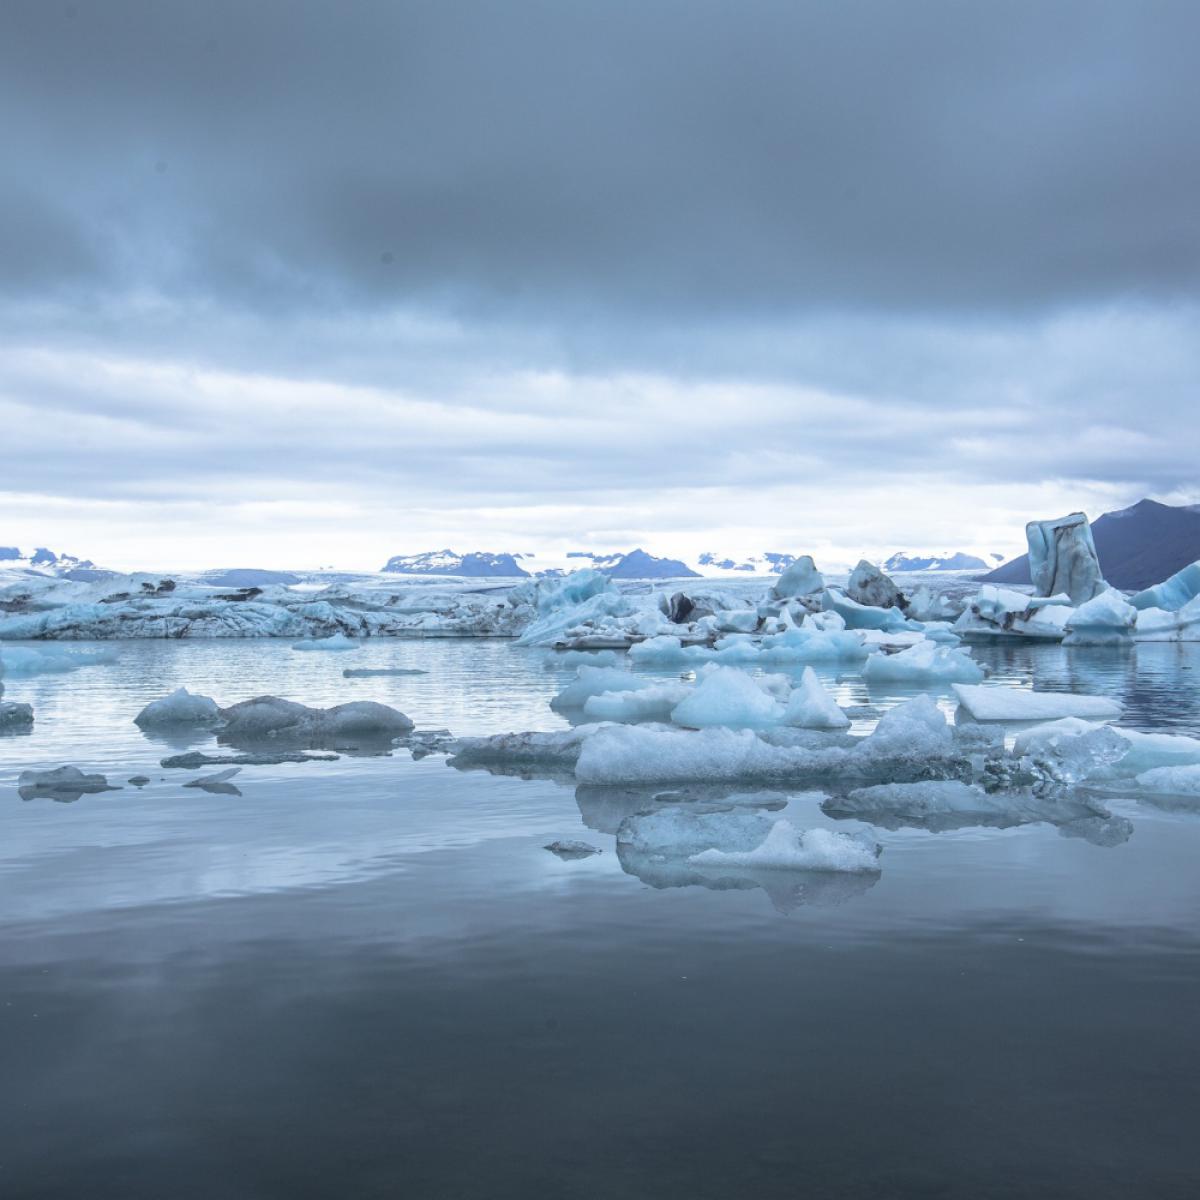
x: 1173, y: 593
x: 810, y: 706
x: 926, y: 662
x: 988, y: 703
x: 863, y: 616
x: 800, y: 579
x: 1105, y: 620
x: 919, y: 800
x: 181, y: 707
x: 335, y: 641
x: 870, y: 587
x: 1062, y: 558
x: 787, y: 848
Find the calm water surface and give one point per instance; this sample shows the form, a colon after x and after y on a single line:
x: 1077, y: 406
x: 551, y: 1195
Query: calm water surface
x: 367, y: 978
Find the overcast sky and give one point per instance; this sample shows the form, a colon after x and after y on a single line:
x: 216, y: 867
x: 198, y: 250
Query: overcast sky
x: 293, y: 284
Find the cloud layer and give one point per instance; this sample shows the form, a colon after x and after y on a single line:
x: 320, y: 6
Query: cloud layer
x: 699, y: 275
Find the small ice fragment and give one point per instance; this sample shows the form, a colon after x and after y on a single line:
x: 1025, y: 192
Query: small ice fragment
x: 567, y: 850
x: 336, y: 641
x: 812, y: 707
x: 181, y: 707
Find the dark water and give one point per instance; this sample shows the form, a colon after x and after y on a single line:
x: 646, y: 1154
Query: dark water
x: 367, y: 978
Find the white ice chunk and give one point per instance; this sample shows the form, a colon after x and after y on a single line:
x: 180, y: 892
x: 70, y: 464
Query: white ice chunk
x: 926, y: 662
x: 181, y: 707
x: 1105, y: 620
x: 915, y: 728
x: 730, y: 698
x: 50, y: 659
x: 810, y: 706
x: 644, y: 754
x: 1176, y: 781
x: 788, y: 848
x: 863, y: 616
x: 653, y: 703
x: 988, y: 703
x: 596, y: 681
x: 62, y: 779
x: 1160, y: 625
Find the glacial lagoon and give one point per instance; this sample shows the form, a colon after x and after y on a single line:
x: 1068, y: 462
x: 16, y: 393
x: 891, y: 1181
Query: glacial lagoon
x: 347, y: 973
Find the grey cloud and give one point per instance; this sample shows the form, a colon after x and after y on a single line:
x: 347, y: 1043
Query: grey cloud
x: 668, y: 160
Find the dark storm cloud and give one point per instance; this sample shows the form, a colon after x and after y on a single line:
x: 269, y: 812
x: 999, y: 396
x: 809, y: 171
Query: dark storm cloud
x: 684, y: 159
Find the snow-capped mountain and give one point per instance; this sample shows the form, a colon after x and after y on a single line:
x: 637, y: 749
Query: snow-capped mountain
x: 46, y: 562
x: 477, y: 564
x: 955, y: 560
x: 634, y: 564
x: 772, y: 562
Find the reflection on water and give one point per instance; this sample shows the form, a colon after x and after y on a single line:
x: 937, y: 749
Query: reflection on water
x: 367, y: 977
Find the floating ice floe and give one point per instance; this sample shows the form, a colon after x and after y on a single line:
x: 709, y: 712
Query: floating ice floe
x: 60, y: 783
x: 335, y: 641
x: 197, y: 758
x: 267, y: 716
x: 50, y: 660
x: 181, y: 707
x: 926, y: 662
x: 996, y: 612
x: 995, y: 703
x: 787, y: 848
x: 379, y: 672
